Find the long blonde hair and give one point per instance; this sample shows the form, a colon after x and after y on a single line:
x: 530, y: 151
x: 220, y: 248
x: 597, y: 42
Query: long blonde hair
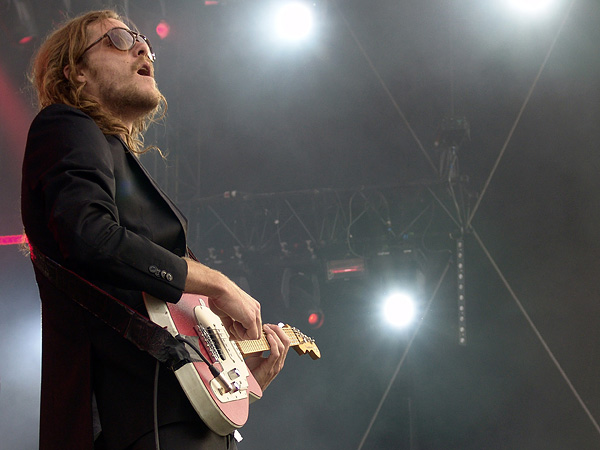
x: 65, y: 47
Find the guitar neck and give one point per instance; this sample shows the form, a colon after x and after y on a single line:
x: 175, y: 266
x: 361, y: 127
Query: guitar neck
x: 262, y: 344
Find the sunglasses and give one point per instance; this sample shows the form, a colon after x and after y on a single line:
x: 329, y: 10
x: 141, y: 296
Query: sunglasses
x: 124, y: 40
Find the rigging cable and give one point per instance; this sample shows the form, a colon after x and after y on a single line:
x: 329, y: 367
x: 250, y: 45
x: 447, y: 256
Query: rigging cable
x: 387, y: 91
x: 520, y: 114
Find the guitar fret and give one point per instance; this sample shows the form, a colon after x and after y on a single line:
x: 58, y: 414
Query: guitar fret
x: 262, y: 344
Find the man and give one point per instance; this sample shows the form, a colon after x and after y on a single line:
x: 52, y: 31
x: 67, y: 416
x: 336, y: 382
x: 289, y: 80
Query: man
x: 88, y: 204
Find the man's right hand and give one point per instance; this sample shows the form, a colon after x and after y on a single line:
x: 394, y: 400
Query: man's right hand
x: 239, y: 312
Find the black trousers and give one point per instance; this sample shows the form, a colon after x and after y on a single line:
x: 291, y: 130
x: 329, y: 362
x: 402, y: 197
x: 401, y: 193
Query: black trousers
x: 179, y: 436
x: 185, y: 436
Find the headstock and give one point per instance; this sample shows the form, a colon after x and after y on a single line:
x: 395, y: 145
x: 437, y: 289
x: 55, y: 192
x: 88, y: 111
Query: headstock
x: 305, y: 344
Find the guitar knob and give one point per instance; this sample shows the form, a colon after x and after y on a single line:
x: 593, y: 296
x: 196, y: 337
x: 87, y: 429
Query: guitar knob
x: 233, y: 374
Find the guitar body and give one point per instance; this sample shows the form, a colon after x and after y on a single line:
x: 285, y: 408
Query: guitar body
x: 222, y: 408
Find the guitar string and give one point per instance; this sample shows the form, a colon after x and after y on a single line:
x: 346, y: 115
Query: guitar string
x: 256, y: 344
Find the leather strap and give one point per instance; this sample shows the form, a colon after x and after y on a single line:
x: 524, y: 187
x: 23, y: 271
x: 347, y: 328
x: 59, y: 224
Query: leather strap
x: 139, y: 330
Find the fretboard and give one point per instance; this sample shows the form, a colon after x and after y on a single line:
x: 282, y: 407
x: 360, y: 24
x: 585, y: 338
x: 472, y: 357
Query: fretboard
x: 262, y: 344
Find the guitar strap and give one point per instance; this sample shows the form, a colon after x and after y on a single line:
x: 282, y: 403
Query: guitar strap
x: 139, y: 330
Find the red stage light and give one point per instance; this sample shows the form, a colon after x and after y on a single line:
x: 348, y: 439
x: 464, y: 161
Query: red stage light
x: 163, y: 29
x: 315, y: 319
x: 25, y: 40
x: 15, y: 117
x: 345, y: 268
x: 13, y: 240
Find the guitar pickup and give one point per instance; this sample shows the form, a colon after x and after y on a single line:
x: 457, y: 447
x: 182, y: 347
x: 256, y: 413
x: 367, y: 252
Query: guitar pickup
x: 214, y: 338
x: 209, y: 344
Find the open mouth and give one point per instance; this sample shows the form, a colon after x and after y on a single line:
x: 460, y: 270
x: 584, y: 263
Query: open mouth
x: 145, y: 71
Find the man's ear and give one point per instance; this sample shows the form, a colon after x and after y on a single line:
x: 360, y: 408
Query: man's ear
x: 80, y: 75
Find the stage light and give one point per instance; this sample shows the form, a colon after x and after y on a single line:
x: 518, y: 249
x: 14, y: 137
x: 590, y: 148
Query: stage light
x: 26, y: 40
x: 460, y: 291
x: 26, y: 20
x: 399, y: 309
x: 531, y: 6
x: 301, y: 296
x: 15, y: 239
x: 294, y: 21
x: 344, y: 269
x: 315, y: 319
x: 23, y: 25
x: 163, y: 29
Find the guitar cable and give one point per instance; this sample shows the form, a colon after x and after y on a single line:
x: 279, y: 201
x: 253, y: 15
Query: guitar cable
x: 185, y: 340
x: 155, y: 406
x: 227, y: 385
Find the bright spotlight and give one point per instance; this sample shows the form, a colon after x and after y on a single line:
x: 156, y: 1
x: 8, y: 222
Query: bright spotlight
x: 531, y: 6
x: 399, y: 309
x: 294, y: 21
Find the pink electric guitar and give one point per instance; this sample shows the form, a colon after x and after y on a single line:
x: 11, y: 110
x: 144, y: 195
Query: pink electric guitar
x: 222, y: 401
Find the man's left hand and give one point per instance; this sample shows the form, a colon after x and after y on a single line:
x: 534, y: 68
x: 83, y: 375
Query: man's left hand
x: 265, y: 369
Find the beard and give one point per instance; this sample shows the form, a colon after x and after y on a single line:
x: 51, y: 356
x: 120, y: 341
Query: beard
x: 131, y: 101
x: 127, y: 100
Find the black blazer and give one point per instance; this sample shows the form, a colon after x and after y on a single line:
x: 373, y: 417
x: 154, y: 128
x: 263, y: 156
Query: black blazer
x: 89, y: 204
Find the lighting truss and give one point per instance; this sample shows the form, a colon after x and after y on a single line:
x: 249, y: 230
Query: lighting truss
x: 323, y: 224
